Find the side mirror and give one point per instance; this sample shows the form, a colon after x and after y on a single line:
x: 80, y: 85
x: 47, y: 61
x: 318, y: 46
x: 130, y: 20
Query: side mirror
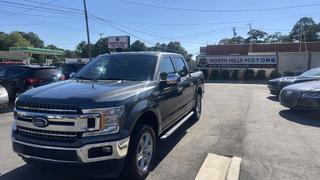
x: 169, y: 79
x: 72, y: 75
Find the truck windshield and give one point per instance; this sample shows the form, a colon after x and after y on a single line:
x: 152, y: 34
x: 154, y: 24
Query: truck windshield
x: 311, y: 73
x: 119, y: 67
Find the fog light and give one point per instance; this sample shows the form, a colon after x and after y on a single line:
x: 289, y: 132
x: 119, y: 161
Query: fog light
x: 100, y: 151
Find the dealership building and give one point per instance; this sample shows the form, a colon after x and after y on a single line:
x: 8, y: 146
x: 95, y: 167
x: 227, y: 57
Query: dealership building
x: 293, y: 57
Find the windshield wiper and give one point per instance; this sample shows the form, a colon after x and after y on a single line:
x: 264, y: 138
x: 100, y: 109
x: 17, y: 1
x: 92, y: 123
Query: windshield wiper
x: 83, y: 78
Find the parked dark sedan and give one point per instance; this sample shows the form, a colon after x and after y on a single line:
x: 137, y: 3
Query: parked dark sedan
x: 304, y: 96
x: 69, y: 68
x: 19, y: 78
x: 276, y: 85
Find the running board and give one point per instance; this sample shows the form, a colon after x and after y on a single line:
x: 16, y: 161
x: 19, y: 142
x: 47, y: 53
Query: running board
x: 174, y: 128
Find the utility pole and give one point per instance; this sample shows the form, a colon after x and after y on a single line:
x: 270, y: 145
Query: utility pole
x: 87, y: 27
x: 250, y: 28
x: 101, y: 34
x: 234, y: 32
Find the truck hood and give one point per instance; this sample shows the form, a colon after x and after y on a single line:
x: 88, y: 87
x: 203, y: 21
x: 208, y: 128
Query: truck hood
x: 86, y: 93
x: 306, y: 86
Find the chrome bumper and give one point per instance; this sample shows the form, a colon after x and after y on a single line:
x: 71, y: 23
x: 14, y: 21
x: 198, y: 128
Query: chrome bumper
x: 119, y: 150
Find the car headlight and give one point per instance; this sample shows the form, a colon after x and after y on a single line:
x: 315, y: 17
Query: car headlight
x: 311, y: 94
x: 109, y: 120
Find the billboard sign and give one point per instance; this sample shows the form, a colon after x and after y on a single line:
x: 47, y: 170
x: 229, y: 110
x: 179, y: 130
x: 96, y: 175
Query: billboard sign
x: 250, y: 61
x: 118, y: 42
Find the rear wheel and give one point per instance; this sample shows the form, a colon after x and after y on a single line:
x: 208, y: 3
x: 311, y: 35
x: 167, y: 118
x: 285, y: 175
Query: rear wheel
x: 141, y: 153
x: 198, y: 107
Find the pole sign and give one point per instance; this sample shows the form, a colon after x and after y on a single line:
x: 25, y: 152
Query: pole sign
x: 250, y: 61
x: 118, y: 42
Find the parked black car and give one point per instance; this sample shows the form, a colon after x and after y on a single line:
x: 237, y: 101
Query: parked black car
x: 19, y: 78
x: 69, y: 68
x: 304, y: 96
x: 275, y: 85
x: 113, y: 112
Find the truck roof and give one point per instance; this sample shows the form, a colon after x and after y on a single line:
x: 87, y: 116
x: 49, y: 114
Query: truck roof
x: 151, y: 53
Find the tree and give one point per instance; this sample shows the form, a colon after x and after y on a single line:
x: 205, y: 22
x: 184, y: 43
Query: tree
x: 70, y: 54
x: 235, y: 40
x: 100, y: 47
x: 307, y: 27
x: 82, y: 49
x: 34, y: 39
x: 14, y: 39
x: 277, y: 37
x: 256, y: 36
x: 138, y: 46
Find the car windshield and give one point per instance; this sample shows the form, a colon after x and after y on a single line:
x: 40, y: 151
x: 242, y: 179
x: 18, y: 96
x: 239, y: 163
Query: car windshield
x: 119, y: 67
x: 311, y: 73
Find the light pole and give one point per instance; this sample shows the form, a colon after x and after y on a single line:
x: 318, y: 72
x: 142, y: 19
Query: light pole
x: 87, y: 27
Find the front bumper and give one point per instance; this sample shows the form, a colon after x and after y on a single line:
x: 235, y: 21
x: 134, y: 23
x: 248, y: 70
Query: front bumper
x: 85, y: 154
x: 297, y: 101
x: 274, y: 89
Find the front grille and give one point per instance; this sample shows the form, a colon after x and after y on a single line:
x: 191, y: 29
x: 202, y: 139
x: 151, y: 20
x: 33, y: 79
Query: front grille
x: 48, y: 135
x: 48, y: 108
x: 290, y: 98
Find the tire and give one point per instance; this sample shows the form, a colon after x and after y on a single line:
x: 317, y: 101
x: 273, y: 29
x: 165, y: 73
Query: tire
x: 198, y: 107
x: 139, y: 169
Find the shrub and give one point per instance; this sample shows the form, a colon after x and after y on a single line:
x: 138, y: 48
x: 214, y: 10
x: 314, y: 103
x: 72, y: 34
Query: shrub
x: 215, y: 74
x: 225, y: 74
x: 274, y: 74
x: 248, y: 74
x: 235, y: 75
x: 288, y: 73
x: 261, y: 75
x: 205, y: 73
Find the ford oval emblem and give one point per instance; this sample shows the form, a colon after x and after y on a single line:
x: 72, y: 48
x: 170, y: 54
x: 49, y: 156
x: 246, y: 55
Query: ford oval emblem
x: 40, y: 122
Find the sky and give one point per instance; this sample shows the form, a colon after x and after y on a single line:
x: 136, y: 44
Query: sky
x: 194, y: 23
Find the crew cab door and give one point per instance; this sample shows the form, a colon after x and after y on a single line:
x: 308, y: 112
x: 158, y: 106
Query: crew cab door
x: 186, y: 86
x: 169, y: 95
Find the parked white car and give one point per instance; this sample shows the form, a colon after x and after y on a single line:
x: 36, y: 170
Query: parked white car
x: 4, y: 98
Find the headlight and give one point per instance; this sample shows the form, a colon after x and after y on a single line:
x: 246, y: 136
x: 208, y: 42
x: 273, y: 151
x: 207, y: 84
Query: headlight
x: 311, y: 94
x: 109, y: 120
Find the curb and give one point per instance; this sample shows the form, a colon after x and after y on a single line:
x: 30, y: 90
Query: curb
x: 216, y: 167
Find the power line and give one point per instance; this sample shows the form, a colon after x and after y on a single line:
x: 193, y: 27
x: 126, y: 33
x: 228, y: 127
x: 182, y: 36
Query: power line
x: 219, y: 10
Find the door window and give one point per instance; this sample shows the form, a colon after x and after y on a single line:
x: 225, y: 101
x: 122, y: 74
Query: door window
x: 166, y: 66
x: 180, y: 66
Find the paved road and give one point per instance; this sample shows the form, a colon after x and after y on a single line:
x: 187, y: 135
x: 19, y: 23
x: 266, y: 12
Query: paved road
x: 237, y: 119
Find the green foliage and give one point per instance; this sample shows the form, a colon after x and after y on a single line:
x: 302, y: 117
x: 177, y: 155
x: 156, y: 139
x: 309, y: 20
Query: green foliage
x: 100, y: 47
x: 225, y: 74
x: 82, y: 49
x: 305, y: 26
x: 288, y: 73
x: 172, y: 47
x: 256, y: 36
x: 261, y: 74
x: 138, y: 46
x: 274, y: 74
x: 14, y: 39
x: 235, y: 75
x: 215, y: 74
x: 248, y: 74
x: 235, y: 40
x: 34, y: 39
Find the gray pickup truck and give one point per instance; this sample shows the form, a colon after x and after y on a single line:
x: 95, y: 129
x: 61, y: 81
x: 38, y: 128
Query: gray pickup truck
x: 113, y: 111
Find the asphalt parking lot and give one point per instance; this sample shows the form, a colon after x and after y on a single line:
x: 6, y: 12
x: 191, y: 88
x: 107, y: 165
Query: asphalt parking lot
x: 237, y: 119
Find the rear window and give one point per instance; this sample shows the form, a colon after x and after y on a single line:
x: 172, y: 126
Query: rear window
x: 71, y: 68
x: 45, y: 73
x: 2, y: 71
x: 11, y: 71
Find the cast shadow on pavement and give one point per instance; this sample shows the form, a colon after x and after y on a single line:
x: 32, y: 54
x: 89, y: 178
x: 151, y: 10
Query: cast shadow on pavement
x: 273, y: 98
x: 65, y: 173
x: 308, y: 118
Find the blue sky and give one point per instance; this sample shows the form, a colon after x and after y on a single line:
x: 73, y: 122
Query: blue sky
x: 152, y: 25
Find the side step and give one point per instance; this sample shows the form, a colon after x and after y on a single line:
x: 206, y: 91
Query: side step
x: 174, y: 128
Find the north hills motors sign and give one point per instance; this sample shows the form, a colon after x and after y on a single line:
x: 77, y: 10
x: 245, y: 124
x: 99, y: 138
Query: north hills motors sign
x: 250, y: 61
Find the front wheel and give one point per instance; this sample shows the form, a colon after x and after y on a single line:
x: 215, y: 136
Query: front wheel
x: 141, y: 153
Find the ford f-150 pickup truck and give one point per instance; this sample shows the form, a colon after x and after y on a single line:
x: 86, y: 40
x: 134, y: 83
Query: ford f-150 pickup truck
x: 113, y: 110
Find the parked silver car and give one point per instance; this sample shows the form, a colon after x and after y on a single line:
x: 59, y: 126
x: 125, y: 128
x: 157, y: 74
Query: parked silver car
x: 4, y: 98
